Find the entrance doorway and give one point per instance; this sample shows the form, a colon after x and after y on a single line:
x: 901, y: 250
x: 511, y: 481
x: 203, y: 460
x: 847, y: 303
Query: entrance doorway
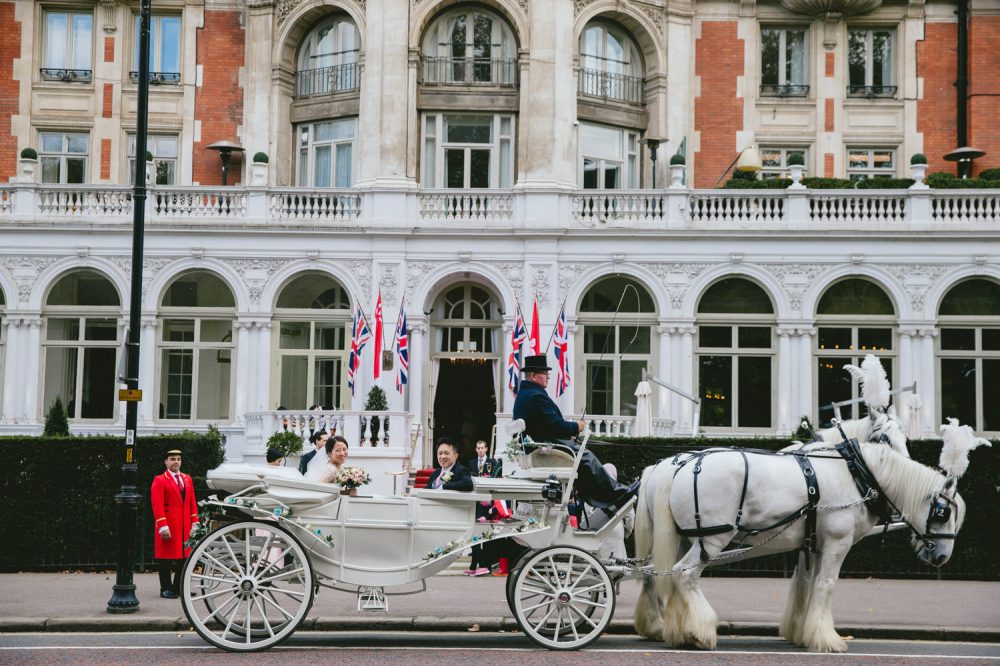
x: 465, y: 403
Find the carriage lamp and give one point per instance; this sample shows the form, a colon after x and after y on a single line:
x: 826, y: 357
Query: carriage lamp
x: 552, y: 490
x: 226, y: 149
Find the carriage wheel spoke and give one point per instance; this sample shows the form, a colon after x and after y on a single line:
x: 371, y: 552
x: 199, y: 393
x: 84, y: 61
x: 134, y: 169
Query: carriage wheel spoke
x: 216, y: 611
x: 232, y: 618
x: 542, y: 621
x: 263, y: 616
x: 271, y: 600
x: 591, y: 588
x: 590, y: 567
x: 212, y: 578
x: 539, y: 605
x: 218, y: 563
x: 542, y: 579
x: 588, y: 602
x: 236, y: 561
x: 211, y: 595
x: 283, y: 575
x: 569, y: 621
x: 291, y: 593
x: 555, y: 630
x: 247, y: 623
x: 583, y: 616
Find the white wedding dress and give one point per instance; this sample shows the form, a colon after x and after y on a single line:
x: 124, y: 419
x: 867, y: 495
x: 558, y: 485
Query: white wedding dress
x: 321, y: 470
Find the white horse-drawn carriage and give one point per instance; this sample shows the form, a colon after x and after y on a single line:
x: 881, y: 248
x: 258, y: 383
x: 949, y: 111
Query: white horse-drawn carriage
x: 250, y: 582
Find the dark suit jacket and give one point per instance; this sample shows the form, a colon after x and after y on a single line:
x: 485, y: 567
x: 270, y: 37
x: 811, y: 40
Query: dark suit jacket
x: 543, y: 421
x: 304, y: 461
x: 496, y: 467
x: 460, y: 479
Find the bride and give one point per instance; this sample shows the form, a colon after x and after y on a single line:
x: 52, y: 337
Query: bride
x: 336, y: 451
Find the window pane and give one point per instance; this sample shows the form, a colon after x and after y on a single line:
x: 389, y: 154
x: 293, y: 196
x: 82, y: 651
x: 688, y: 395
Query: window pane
x: 755, y: 391
x: 175, y: 386
x: 612, y: 176
x: 323, y: 166
x: 327, y: 391
x: 99, y: 399
x: 835, y: 338
x: 855, y: 296
x: 81, y: 41
x: 170, y: 44
x: 101, y: 329
x: 598, y: 340
x: 715, y: 336
x: 601, y: 142
x: 856, y: 46
x: 294, y: 374
x: 50, y: 169
x: 178, y: 330
x: 343, y: 165
x: 479, y: 168
x: 631, y: 375
x: 795, y: 57
x: 958, y: 389
x: 833, y: 385
x: 972, y: 297
x: 875, y: 339
x: 216, y: 330
x: 62, y: 329
x: 76, y: 169
x: 715, y: 384
x: 293, y: 335
x: 958, y: 338
x: 213, y: 383
x: 991, y: 389
x: 60, y: 378
x: 56, y: 41
x: 736, y: 296
x: 882, y: 58
x: 455, y: 166
x: 77, y: 143
x: 769, y: 56
x: 468, y: 129
x: 755, y: 337
x: 991, y: 339
x: 634, y: 340
x: 589, y: 174
x: 600, y: 392
x: 329, y: 336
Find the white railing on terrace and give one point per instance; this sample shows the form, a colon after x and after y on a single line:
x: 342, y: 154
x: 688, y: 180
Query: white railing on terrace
x: 959, y: 206
x: 199, y: 202
x: 624, y: 206
x: 857, y: 205
x: 84, y: 201
x: 472, y: 205
x: 624, y: 426
x: 361, y: 429
x: 737, y: 206
x: 324, y: 205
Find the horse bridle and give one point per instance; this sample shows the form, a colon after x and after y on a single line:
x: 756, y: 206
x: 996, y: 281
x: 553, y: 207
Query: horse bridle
x: 939, y: 512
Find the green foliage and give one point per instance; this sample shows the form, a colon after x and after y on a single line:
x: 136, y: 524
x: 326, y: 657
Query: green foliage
x: 818, y: 183
x: 29, y: 154
x: 918, y: 158
x: 796, y: 159
x: 56, y: 424
x: 975, y: 549
x: 149, y: 156
x: 990, y: 174
x: 287, y: 442
x: 376, y: 401
x: 942, y: 180
x: 260, y: 158
x: 885, y: 183
x: 60, y: 494
x: 677, y: 158
x: 744, y: 175
x: 768, y: 184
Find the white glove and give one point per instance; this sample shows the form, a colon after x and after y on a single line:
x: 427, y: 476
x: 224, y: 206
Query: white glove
x: 165, y: 533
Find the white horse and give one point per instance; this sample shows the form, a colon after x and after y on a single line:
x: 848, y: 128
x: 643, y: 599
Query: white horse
x: 673, y: 608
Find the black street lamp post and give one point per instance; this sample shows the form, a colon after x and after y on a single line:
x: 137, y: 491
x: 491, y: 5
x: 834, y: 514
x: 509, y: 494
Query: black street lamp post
x: 123, y: 600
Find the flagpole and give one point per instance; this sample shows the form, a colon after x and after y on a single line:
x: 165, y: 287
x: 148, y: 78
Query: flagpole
x: 553, y: 334
x: 395, y: 334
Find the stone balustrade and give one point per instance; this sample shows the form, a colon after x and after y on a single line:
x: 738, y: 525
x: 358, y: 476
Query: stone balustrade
x: 360, y: 428
x: 623, y: 426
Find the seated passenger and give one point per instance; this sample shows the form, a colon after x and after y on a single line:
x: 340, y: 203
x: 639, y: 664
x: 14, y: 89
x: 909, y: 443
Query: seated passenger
x: 335, y: 456
x: 543, y: 422
x: 451, y: 475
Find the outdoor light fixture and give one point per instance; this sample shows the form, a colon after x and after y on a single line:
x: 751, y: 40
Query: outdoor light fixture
x: 653, y: 142
x: 964, y: 157
x: 747, y: 161
x: 226, y: 149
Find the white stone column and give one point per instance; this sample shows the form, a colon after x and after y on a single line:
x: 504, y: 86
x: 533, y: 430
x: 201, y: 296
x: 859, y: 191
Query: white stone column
x: 663, y: 372
x: 12, y: 386
x: 149, y: 407
x: 31, y: 350
x: 417, y: 386
x: 244, y: 360
x: 926, y: 384
x: 785, y: 393
x: 802, y: 378
x: 260, y: 377
x: 689, y: 377
x: 676, y: 403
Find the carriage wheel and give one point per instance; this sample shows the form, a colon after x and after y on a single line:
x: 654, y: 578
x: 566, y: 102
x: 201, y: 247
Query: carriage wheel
x: 512, y: 578
x: 563, y: 598
x: 247, y: 586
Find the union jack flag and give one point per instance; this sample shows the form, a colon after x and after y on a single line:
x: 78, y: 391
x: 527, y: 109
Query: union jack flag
x: 560, y: 341
x: 402, y: 352
x: 517, y: 338
x: 362, y: 334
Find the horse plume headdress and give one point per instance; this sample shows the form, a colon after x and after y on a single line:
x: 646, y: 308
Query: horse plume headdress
x: 875, y: 387
x: 959, y: 440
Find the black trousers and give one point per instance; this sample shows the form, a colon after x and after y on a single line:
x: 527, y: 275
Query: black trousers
x: 170, y: 574
x: 593, y: 482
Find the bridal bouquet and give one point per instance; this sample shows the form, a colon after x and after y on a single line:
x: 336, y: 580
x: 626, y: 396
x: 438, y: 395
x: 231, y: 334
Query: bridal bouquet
x: 350, y: 478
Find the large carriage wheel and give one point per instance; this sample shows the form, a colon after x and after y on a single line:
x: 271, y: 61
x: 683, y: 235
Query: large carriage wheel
x: 563, y: 598
x: 247, y: 586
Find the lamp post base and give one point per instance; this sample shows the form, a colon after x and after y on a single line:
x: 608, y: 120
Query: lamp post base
x: 123, y: 600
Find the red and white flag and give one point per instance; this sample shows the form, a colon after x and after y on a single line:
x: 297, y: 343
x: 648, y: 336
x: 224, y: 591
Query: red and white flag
x: 378, y: 335
x: 535, y: 340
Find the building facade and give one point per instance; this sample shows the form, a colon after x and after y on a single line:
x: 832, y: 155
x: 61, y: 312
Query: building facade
x: 468, y: 159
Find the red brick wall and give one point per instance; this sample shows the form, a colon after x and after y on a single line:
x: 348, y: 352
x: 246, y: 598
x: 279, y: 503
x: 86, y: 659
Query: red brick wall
x: 984, y: 89
x: 829, y: 65
x: 937, y: 63
x: 828, y: 165
x: 108, y: 99
x: 219, y: 101
x: 105, y: 159
x: 718, y: 112
x: 10, y: 48
x: 109, y: 49
x: 828, y: 115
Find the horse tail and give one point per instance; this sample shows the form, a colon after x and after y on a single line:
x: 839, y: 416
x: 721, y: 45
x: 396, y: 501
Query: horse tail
x: 656, y: 535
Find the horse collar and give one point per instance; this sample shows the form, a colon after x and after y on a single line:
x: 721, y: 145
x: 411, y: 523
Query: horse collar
x: 864, y: 480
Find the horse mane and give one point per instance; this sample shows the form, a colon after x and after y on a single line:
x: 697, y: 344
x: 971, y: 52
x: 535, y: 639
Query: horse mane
x: 908, y: 483
x: 858, y: 429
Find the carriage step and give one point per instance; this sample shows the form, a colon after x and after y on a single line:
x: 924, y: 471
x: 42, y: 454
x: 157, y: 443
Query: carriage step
x: 372, y: 599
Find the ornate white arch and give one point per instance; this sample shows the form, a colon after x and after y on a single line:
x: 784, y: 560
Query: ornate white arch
x: 302, y: 17
x: 508, y: 9
x: 281, y: 278
x: 48, y: 277
x: 886, y: 281
x: 9, y: 291
x: 444, y: 276
x: 937, y: 291
x: 154, y: 293
x: 587, y: 280
x: 648, y: 36
x: 770, y: 285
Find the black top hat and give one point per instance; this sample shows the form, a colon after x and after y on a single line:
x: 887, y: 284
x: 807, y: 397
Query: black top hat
x: 537, y: 363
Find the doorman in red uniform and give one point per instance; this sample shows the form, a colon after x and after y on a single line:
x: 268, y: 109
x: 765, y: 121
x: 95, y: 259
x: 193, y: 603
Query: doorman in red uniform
x: 174, y: 512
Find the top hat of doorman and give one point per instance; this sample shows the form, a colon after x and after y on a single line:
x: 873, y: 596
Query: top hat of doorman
x: 535, y: 364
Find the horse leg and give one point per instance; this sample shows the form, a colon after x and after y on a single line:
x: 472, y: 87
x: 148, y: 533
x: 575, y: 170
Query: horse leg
x: 648, y: 617
x: 818, y: 633
x: 798, y: 598
x: 689, y: 619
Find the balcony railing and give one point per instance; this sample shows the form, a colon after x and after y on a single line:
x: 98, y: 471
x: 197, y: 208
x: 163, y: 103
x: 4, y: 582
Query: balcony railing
x: 624, y: 426
x: 319, y: 205
x: 327, y: 80
x: 68, y: 75
x: 965, y: 207
x: 783, y: 90
x: 738, y: 207
x: 157, y: 78
x: 872, y: 92
x: 856, y: 205
x: 609, y: 86
x: 468, y: 71
x: 199, y: 203
x: 84, y: 200
x: 466, y: 205
x: 382, y: 429
x: 621, y: 206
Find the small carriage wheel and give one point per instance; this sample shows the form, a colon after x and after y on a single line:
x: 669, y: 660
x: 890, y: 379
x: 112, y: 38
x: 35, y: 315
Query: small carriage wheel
x: 247, y: 586
x: 563, y: 598
x: 512, y: 578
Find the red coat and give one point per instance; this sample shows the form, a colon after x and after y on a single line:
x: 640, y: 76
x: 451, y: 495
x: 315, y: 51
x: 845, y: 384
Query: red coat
x: 177, y: 513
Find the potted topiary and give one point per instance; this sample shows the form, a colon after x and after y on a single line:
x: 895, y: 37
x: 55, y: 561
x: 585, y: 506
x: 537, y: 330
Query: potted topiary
x: 376, y: 402
x: 796, y: 165
x: 287, y: 442
x: 677, y: 166
x: 29, y: 159
x: 918, y: 169
x: 258, y: 169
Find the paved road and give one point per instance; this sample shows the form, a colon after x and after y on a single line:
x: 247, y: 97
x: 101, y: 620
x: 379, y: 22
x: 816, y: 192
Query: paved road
x: 487, y: 649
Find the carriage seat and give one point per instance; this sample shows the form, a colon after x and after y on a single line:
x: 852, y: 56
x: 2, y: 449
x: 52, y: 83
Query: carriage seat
x: 283, y: 483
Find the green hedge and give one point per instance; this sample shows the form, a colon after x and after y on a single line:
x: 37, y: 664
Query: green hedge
x: 59, y: 495
x: 976, y: 549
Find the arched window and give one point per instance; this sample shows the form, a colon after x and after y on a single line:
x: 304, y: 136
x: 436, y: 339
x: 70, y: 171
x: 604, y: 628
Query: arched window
x: 855, y: 317
x: 313, y: 316
x: 969, y: 352
x: 81, y: 345
x: 610, y: 64
x: 328, y: 58
x: 196, y: 348
x: 736, y: 356
x: 616, y: 349
x: 469, y: 46
x: 466, y: 322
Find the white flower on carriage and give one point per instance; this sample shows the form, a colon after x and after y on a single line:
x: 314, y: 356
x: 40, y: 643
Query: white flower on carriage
x: 446, y: 477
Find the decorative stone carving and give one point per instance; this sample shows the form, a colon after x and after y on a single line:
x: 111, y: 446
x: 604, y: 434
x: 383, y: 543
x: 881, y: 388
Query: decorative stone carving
x: 540, y: 284
x: 580, y: 5
x: 512, y: 272
x: 795, y: 279
x: 25, y: 271
x: 569, y: 274
x: 677, y: 278
x: 388, y: 284
x: 362, y: 271
x: 255, y: 273
x: 285, y: 8
x: 916, y: 280
x: 416, y: 271
x: 828, y: 7
x: 108, y: 14
x: 656, y: 15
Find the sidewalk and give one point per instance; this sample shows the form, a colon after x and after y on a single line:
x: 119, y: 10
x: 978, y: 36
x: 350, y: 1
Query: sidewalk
x: 930, y: 610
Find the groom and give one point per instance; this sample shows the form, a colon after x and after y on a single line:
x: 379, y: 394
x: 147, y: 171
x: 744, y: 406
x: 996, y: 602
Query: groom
x: 451, y: 475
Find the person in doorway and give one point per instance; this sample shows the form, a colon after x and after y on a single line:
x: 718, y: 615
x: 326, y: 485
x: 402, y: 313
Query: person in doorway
x: 451, y: 475
x: 174, y: 512
x: 543, y: 422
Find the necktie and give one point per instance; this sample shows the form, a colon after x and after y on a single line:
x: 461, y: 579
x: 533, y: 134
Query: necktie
x: 482, y: 464
x: 440, y: 480
x: 180, y: 484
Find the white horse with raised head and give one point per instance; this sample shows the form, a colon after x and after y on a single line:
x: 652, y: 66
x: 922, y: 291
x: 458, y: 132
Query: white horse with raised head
x: 693, y: 506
